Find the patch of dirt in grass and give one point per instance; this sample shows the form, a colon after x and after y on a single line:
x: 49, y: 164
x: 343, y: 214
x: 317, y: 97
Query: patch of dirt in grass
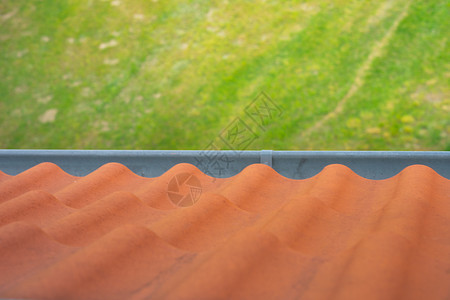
x: 9, y: 15
x: 45, y: 100
x: 434, y: 97
x: 49, y: 116
x: 423, y: 93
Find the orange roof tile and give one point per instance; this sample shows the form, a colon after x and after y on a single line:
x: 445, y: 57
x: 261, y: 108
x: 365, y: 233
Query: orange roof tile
x: 258, y: 235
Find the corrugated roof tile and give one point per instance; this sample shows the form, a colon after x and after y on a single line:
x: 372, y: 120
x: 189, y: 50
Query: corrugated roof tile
x: 257, y: 235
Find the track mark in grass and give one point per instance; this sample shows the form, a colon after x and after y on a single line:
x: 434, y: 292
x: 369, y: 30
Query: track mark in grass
x: 362, y: 71
x: 380, y: 14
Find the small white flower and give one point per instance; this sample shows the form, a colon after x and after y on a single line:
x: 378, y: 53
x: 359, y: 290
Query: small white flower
x: 45, y: 39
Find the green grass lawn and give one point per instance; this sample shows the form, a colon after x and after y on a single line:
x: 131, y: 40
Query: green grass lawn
x: 135, y: 74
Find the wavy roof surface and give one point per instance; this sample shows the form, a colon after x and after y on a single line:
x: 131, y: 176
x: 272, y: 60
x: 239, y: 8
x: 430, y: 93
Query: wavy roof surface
x: 257, y: 235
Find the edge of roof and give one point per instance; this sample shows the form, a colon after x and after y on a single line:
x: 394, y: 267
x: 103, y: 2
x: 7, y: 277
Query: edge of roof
x: 226, y: 163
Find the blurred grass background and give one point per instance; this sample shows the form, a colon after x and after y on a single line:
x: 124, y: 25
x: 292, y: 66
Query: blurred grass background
x: 135, y: 74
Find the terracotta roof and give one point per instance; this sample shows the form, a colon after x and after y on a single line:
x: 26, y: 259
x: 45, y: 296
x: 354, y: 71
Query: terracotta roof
x: 257, y: 235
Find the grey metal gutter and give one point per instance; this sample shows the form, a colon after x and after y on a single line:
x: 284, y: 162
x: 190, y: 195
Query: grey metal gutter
x: 292, y: 164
